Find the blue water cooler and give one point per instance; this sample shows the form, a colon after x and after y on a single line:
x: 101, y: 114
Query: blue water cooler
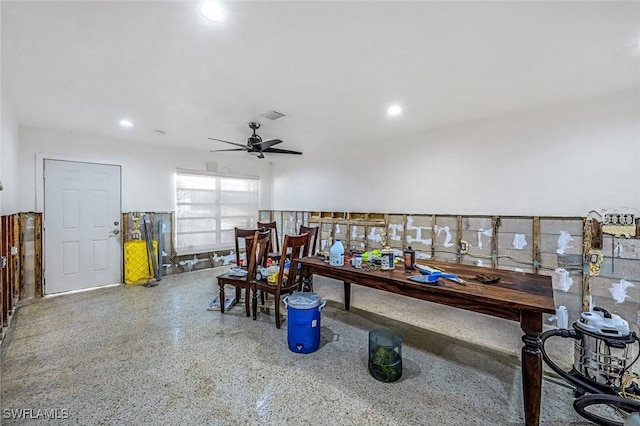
x: 303, y: 321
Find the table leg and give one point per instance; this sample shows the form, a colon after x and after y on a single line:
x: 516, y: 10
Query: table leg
x: 347, y: 295
x: 307, y: 285
x: 247, y: 295
x: 221, y: 298
x: 531, y: 324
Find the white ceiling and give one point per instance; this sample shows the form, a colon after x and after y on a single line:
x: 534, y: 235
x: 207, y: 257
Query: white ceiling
x: 332, y: 67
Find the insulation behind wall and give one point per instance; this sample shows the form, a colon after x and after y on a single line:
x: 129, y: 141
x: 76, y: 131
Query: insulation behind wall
x: 617, y: 286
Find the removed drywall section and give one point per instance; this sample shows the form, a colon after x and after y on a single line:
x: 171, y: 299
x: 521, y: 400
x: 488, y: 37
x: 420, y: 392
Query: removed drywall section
x: 561, y: 257
x: 477, y: 232
x: 618, y: 282
x: 516, y: 244
x: 445, y: 233
x: 419, y: 234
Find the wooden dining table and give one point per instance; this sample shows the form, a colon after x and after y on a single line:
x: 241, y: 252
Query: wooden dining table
x: 517, y: 296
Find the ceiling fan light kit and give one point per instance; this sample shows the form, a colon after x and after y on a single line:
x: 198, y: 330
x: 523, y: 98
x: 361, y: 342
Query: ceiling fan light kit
x: 255, y: 145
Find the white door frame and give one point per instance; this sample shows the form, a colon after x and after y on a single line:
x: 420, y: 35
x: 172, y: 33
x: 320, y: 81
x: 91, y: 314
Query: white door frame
x: 39, y: 168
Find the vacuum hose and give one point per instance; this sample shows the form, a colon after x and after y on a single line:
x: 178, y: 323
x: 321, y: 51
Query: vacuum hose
x: 576, y: 379
x: 581, y: 404
x: 596, y: 395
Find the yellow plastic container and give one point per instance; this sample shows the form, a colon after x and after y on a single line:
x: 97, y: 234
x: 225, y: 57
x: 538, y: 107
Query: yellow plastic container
x: 137, y: 262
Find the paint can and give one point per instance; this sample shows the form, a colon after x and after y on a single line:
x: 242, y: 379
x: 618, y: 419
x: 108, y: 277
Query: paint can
x: 387, y: 259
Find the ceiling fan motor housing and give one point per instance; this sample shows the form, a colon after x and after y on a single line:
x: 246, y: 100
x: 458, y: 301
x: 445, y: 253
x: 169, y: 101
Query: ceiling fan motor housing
x: 252, y: 140
x: 255, y: 144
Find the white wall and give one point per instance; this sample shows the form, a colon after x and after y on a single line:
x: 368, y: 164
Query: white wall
x: 147, y: 171
x: 8, y: 159
x: 559, y: 161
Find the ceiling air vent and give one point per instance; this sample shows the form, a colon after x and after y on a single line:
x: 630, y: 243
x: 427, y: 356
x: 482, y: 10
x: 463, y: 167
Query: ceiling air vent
x: 274, y: 115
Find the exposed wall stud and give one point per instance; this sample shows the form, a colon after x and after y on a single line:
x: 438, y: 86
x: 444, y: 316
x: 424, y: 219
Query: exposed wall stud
x: 459, y: 240
x: 587, y: 236
x: 37, y: 243
x: 433, y: 236
x: 495, y: 224
x: 536, y: 245
x: 405, y: 244
x: 23, y: 253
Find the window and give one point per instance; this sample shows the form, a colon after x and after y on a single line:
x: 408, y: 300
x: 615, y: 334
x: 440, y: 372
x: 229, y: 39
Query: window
x: 209, y: 207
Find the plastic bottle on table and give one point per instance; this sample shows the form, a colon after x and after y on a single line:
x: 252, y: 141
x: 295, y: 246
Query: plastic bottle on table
x: 336, y: 254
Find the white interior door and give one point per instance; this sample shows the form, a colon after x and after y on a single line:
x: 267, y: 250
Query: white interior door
x: 81, y: 225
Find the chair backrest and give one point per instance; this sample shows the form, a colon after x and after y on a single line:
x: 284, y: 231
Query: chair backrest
x: 293, y: 247
x: 313, y: 238
x: 275, y: 243
x: 242, y: 234
x: 257, y: 250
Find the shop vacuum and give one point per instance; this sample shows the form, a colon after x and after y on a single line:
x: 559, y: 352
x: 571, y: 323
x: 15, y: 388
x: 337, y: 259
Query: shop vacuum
x: 606, y: 392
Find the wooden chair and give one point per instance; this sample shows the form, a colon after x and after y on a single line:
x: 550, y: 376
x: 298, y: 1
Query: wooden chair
x: 240, y: 282
x: 313, y: 238
x: 242, y: 234
x: 285, y: 284
x: 275, y: 243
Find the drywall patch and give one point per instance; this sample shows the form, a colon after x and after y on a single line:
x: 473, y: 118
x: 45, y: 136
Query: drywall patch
x: 374, y: 236
x: 447, y: 238
x: 395, y: 228
x: 486, y: 232
x: 563, y: 242
x: 418, y: 229
x: 619, y: 290
x: 355, y: 235
x: 564, y: 280
x: 519, y: 241
x: 618, y: 250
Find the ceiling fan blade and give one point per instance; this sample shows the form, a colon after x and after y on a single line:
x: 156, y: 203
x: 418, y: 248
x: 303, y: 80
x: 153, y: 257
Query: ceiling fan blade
x: 230, y: 149
x: 280, y: 151
x: 266, y: 144
x: 232, y: 143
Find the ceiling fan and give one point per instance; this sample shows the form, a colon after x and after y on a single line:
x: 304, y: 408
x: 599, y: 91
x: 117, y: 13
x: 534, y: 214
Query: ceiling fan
x: 255, y: 144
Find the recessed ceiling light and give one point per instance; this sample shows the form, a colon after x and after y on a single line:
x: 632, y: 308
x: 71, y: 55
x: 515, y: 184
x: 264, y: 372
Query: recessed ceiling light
x: 394, y: 110
x: 212, y: 11
x: 126, y: 123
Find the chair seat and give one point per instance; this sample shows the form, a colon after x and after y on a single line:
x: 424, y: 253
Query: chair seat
x: 277, y: 255
x: 274, y: 255
x: 294, y: 247
x: 239, y: 283
x: 227, y: 275
x: 265, y: 285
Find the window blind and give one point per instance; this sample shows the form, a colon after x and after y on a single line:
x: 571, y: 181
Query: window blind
x: 209, y: 207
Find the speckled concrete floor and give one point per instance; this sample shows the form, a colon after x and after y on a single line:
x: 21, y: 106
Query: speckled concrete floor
x: 136, y: 355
